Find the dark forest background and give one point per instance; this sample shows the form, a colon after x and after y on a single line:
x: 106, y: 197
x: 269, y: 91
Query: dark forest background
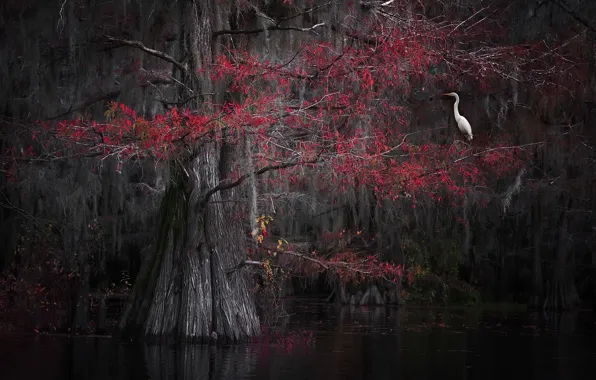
x: 72, y: 234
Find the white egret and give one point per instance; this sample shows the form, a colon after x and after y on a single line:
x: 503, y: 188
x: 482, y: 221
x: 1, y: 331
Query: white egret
x: 462, y: 123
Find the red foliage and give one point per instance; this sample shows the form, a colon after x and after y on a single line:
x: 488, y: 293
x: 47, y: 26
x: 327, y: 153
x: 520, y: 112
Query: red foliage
x: 351, y: 121
x: 352, y: 268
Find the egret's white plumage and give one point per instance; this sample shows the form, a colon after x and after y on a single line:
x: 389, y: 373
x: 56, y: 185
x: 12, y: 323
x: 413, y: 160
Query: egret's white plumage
x: 462, y: 123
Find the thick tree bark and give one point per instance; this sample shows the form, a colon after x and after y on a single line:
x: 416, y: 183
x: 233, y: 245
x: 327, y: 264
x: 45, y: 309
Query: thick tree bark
x: 184, y: 291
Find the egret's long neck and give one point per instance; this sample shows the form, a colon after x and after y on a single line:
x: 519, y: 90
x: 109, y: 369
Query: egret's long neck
x: 455, y: 107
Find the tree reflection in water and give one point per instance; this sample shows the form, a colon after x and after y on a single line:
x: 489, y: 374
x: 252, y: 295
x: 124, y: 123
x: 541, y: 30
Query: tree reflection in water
x: 350, y: 343
x: 191, y: 362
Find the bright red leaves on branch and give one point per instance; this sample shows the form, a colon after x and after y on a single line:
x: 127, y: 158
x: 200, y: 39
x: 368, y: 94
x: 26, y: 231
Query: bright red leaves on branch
x: 342, y: 106
x: 339, y: 108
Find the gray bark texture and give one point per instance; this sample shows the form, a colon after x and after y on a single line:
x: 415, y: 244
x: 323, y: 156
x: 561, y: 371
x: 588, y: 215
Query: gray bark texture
x: 184, y: 291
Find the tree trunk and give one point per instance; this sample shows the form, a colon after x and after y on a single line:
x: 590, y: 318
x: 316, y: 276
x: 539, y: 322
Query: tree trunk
x: 466, y: 258
x: 562, y: 294
x: 100, y: 318
x: 535, y: 300
x: 184, y: 291
x: 80, y: 302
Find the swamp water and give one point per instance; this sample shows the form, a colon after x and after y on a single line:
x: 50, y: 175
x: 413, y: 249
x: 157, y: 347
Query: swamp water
x: 347, y: 343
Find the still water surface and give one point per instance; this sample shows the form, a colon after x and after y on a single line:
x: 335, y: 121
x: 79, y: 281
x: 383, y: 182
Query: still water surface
x: 356, y: 343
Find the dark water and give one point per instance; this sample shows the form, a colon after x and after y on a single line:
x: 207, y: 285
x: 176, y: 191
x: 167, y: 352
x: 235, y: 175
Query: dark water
x: 374, y: 343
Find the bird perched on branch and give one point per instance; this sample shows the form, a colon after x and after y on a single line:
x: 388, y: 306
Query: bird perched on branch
x: 462, y: 123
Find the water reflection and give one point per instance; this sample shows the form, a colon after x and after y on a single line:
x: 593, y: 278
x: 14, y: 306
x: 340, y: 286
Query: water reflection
x: 199, y: 362
x: 351, y: 343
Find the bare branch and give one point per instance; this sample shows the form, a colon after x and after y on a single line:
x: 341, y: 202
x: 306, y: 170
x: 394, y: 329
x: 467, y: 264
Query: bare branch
x: 156, y: 53
x: 466, y: 20
x: 374, y: 4
x: 88, y: 103
x: 261, y: 30
x: 497, y: 148
x: 146, y: 186
x: 244, y: 263
x: 169, y: 104
x: 228, y: 185
x: 305, y: 257
x: 306, y: 11
x: 576, y: 16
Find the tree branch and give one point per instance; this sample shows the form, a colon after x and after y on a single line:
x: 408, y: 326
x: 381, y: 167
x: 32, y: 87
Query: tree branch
x: 497, y: 148
x: 261, y: 30
x: 170, y: 104
x: 156, y: 53
x: 306, y: 11
x: 228, y: 185
x: 373, y: 4
x: 244, y: 263
x: 304, y: 257
x: 73, y: 108
x: 260, y: 263
x: 576, y: 16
